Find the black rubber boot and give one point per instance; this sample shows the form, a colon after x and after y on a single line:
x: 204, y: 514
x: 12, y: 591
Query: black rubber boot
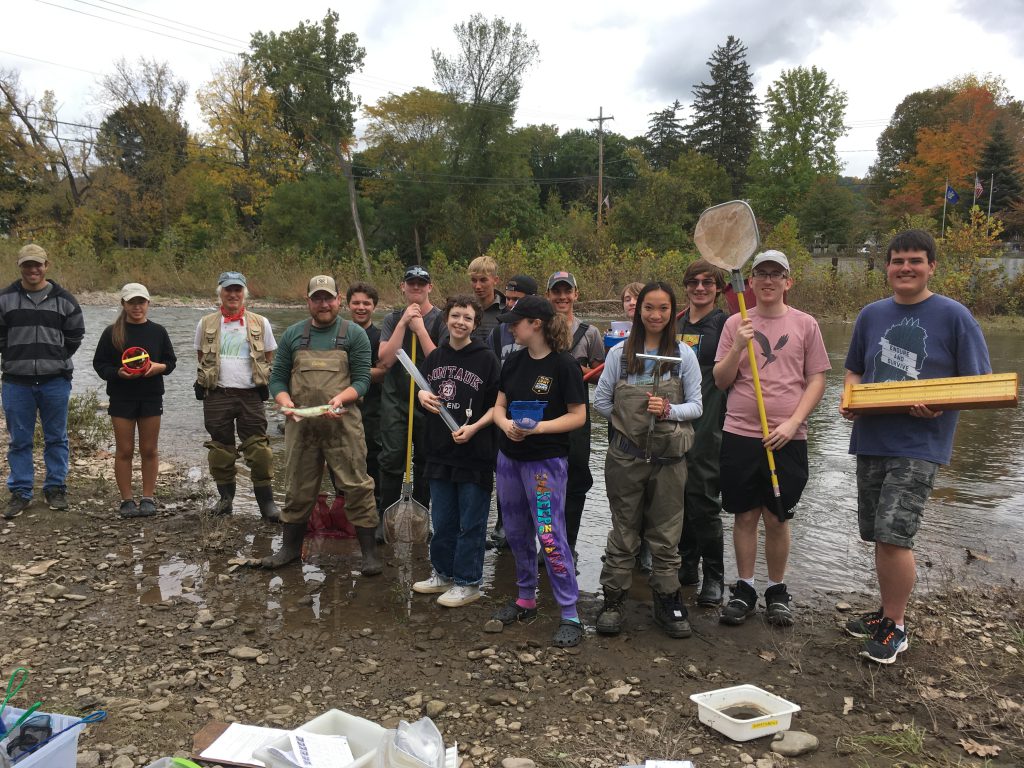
x: 372, y: 565
x: 268, y: 507
x: 712, y: 589
x: 291, y: 547
x: 612, y: 615
x: 227, y: 495
x: 670, y: 615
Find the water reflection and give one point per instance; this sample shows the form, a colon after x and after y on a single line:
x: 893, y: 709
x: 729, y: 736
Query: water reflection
x: 976, y: 504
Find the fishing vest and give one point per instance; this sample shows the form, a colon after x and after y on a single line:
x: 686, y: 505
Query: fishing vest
x: 208, y: 371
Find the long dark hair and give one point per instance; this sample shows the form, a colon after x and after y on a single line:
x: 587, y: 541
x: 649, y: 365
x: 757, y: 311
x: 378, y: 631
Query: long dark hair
x: 635, y: 343
x: 119, y: 330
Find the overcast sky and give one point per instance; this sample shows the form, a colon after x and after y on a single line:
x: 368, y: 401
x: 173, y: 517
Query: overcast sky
x: 629, y: 58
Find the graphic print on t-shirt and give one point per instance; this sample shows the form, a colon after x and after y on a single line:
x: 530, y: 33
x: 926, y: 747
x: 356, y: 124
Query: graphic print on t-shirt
x: 692, y: 340
x: 542, y: 385
x: 766, y: 347
x: 902, y: 351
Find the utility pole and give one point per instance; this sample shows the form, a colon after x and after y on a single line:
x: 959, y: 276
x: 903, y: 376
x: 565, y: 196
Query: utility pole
x: 600, y: 161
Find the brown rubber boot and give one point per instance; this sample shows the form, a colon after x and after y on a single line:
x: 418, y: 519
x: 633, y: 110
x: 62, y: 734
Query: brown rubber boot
x: 268, y: 507
x: 291, y: 547
x: 367, y: 537
x: 223, y: 504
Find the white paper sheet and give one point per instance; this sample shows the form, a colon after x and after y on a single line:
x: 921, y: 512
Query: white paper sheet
x: 314, y: 750
x: 238, y: 742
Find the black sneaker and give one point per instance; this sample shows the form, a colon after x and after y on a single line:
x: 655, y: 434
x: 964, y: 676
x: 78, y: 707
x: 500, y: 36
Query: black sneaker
x: 886, y: 644
x: 864, y: 626
x: 147, y: 506
x: 740, y: 605
x: 16, y: 506
x: 56, y: 497
x: 670, y: 614
x: 777, y: 610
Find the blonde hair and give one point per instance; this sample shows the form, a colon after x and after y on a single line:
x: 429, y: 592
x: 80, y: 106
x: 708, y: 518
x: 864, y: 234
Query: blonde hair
x: 483, y: 265
x: 556, y: 333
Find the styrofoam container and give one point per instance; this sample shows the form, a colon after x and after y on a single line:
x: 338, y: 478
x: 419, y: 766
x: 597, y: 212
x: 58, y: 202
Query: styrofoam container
x: 711, y: 708
x: 61, y: 752
x: 364, y: 736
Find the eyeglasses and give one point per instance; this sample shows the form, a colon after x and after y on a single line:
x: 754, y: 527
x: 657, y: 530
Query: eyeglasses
x: 30, y: 735
x: 707, y: 283
x: 761, y: 275
x: 322, y: 299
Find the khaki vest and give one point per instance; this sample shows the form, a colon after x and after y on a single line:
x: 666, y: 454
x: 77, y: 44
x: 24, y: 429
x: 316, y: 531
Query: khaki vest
x: 208, y: 371
x: 666, y: 440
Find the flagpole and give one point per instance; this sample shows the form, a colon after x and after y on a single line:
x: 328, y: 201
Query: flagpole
x: 974, y: 198
x: 945, y: 197
x: 991, y: 185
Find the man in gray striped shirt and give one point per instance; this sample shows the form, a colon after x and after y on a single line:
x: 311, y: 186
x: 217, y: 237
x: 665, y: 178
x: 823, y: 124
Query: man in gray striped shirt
x: 41, y: 327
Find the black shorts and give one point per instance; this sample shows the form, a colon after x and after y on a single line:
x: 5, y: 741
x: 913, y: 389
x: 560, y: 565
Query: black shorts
x: 135, y: 409
x: 745, y: 479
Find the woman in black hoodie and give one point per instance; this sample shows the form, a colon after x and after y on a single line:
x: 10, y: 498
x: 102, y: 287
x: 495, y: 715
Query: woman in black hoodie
x: 463, y: 376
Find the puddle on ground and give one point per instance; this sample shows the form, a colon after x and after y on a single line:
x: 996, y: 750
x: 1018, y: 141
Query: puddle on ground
x: 157, y: 582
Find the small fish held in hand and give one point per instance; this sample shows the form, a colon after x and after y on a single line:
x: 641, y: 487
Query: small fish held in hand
x: 312, y: 411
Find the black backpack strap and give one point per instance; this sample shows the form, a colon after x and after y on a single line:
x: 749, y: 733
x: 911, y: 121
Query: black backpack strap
x: 577, y: 337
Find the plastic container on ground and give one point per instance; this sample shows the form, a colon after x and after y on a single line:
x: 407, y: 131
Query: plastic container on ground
x: 526, y: 413
x: 713, y: 710
x: 61, y: 752
x: 619, y: 332
x: 173, y: 762
x: 363, y: 736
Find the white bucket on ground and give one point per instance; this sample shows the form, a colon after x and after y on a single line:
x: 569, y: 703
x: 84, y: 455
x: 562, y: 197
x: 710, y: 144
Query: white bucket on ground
x: 60, y: 752
x: 760, y: 713
x: 364, y: 736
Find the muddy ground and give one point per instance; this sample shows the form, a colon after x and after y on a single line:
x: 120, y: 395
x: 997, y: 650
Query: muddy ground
x: 158, y: 623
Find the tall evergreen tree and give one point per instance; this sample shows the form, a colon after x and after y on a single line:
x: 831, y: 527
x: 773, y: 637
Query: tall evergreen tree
x: 665, y: 137
x: 725, y: 112
x: 1000, y: 168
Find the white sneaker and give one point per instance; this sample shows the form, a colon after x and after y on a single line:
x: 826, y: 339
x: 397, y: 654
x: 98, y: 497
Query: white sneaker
x: 459, y: 595
x: 433, y: 585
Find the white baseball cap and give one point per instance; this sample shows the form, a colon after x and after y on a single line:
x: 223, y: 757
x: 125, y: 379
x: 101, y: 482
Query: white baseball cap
x: 134, y: 291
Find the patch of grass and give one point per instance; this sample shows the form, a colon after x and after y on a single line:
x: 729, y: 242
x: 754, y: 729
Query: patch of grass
x: 89, y: 428
x: 909, y: 741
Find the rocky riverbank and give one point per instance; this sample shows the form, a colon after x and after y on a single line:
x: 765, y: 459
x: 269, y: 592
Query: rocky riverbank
x: 161, y: 623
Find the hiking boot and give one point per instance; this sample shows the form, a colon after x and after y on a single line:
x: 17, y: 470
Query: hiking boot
x: 670, y: 614
x: 268, y: 507
x: 886, y: 644
x: 291, y: 546
x: 128, y: 508
x: 435, y: 585
x: 16, y: 506
x: 56, y: 497
x: 223, y: 504
x: 777, y: 610
x: 459, y: 595
x: 147, y: 506
x: 741, y: 604
x: 611, y: 616
x: 864, y: 626
x: 711, y: 593
x: 367, y: 536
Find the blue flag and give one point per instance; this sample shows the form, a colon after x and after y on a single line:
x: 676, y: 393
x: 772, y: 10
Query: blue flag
x: 951, y: 195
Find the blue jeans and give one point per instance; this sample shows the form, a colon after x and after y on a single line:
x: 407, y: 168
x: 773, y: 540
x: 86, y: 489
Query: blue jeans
x: 21, y: 403
x: 459, y: 515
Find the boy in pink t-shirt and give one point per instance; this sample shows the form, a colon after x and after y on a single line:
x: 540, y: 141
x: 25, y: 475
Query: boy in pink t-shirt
x: 792, y: 361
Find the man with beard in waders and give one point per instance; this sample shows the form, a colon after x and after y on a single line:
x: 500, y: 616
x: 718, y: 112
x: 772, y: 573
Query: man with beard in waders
x: 324, y: 360
x: 235, y: 348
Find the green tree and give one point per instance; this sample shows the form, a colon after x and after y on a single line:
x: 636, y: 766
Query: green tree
x: 308, y: 70
x: 662, y: 209
x: 829, y: 212
x: 484, y: 79
x: 1000, y: 170
x: 664, y: 136
x: 725, y: 110
x: 303, y: 214
x: 805, y: 120
x: 897, y: 143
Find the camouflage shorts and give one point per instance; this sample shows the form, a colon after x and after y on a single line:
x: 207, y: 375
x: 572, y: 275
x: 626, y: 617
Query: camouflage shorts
x: 891, y: 494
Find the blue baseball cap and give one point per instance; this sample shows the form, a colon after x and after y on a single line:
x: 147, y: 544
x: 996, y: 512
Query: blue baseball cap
x: 228, y: 279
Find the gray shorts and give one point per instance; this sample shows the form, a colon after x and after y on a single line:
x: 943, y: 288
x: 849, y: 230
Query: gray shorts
x: 891, y: 493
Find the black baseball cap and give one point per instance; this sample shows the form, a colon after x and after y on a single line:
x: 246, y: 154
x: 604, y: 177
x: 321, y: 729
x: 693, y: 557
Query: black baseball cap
x: 522, y: 283
x: 533, y: 307
x: 416, y: 272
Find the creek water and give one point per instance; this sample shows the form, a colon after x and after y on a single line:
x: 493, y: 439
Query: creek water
x: 973, y: 525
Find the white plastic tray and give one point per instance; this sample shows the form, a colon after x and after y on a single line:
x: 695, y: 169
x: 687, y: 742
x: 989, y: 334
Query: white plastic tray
x: 711, y: 705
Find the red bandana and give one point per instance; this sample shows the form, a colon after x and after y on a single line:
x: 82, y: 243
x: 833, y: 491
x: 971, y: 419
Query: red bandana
x: 229, y: 318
